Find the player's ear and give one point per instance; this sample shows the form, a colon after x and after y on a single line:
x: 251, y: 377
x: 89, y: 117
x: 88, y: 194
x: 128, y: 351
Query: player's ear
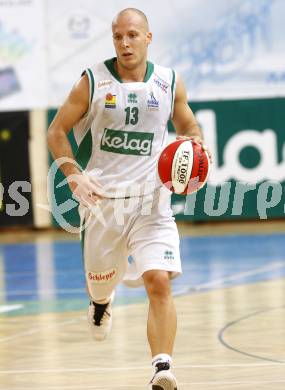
x: 149, y: 37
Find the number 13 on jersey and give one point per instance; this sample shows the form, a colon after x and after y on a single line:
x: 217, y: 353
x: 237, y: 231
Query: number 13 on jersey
x: 132, y: 115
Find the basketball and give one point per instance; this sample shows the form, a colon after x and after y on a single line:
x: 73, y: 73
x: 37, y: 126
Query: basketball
x: 183, y: 167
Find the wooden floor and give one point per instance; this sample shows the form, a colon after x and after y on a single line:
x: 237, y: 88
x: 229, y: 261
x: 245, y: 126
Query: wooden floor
x: 230, y: 338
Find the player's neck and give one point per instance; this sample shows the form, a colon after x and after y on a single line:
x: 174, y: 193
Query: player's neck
x: 131, y: 75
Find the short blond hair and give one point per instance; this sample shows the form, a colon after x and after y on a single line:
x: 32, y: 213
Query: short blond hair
x: 135, y: 11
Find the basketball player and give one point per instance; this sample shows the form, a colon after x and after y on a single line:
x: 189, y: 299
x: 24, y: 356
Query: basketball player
x: 119, y: 110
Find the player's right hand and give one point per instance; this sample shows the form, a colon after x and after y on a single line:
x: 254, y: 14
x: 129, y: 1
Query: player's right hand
x: 198, y: 140
x: 85, y: 189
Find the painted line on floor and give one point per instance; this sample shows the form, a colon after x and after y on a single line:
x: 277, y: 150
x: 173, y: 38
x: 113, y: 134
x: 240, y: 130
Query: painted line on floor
x: 129, y: 368
x: 7, y: 308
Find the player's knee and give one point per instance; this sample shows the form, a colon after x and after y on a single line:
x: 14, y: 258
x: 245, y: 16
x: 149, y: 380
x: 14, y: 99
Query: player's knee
x: 100, y: 285
x: 158, y: 285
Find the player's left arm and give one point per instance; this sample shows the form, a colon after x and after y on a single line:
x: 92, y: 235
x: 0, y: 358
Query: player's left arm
x: 183, y: 119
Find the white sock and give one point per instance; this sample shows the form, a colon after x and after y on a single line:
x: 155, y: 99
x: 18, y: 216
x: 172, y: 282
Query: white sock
x: 103, y: 301
x: 161, y: 358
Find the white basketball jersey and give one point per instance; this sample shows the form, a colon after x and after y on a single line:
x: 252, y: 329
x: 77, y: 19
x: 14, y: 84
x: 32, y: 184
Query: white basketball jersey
x: 125, y: 129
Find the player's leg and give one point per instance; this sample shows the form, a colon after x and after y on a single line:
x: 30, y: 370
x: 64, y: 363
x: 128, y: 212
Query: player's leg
x: 105, y: 262
x: 162, y: 322
x: 154, y: 244
x: 99, y: 317
x: 161, y: 327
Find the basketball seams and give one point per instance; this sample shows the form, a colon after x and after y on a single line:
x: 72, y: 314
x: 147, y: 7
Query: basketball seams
x: 183, y: 167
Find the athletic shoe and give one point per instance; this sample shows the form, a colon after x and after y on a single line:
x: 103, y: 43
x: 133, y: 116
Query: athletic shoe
x: 163, y: 379
x: 100, y: 319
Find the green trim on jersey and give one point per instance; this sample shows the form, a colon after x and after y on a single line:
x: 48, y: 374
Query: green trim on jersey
x: 149, y: 71
x: 84, y: 150
x: 111, y: 68
x: 172, y: 91
x: 92, y: 84
x: 90, y: 76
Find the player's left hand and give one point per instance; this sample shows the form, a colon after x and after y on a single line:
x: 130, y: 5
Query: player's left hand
x: 198, y: 140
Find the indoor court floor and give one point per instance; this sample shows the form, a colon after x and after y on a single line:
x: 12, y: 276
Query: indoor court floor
x: 230, y: 303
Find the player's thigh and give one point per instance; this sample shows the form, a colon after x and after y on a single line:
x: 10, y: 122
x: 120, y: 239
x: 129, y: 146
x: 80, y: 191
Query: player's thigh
x: 154, y: 240
x: 105, y: 255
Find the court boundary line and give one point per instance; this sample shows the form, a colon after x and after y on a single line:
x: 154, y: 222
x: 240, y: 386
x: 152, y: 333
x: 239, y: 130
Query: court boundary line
x: 36, y: 330
x: 142, y: 386
x: 233, y: 277
x: 130, y: 368
x: 200, y: 287
x: 9, y: 308
x: 232, y: 323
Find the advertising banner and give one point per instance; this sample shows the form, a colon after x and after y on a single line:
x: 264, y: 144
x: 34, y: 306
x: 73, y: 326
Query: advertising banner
x: 232, y: 50
x: 237, y: 53
x: 15, y: 183
x: 247, y: 179
x: 23, y: 61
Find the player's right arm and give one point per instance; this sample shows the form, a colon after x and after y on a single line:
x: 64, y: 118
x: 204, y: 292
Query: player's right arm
x: 72, y: 110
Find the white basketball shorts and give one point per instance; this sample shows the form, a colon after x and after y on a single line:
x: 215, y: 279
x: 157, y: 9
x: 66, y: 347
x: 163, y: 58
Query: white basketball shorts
x: 123, y: 238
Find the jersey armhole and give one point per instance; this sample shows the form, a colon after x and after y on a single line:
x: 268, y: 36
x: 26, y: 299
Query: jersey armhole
x: 90, y: 76
x: 173, y: 89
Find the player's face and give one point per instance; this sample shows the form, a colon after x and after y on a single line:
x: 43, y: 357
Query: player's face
x: 131, y: 39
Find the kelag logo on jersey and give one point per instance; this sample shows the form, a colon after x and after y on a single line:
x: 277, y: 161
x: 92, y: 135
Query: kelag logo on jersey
x: 127, y: 142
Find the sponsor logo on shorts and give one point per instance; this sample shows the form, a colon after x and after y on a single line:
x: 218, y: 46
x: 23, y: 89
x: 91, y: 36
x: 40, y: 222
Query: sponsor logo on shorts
x: 152, y: 103
x: 127, y: 142
x: 104, y: 84
x: 168, y: 255
x: 102, y: 277
x: 110, y: 100
x: 161, y: 84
